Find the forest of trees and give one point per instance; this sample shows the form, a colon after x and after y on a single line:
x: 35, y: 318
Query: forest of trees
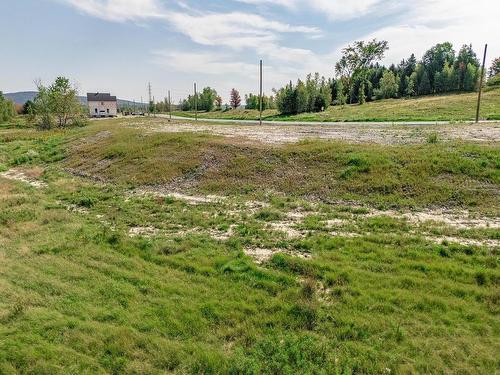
x: 359, y: 78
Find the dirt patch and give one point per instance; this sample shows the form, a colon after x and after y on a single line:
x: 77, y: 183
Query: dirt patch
x: 28, y: 176
x: 262, y: 255
x: 190, y: 199
x: 142, y: 231
x: 461, y: 219
x: 463, y: 241
x: 385, y: 133
x: 96, y: 137
x: 287, y: 228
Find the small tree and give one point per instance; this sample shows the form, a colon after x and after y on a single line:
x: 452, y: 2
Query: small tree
x: 424, y: 86
x: 411, y: 88
x: 495, y: 67
x: 218, y: 102
x: 388, y: 86
x: 361, y: 93
x: 235, y: 99
x: 58, y: 101
x: 470, y: 78
x: 43, y: 107
x: 341, y: 97
x: 64, y: 101
x: 7, y: 109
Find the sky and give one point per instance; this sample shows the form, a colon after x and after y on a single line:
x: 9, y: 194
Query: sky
x: 119, y: 46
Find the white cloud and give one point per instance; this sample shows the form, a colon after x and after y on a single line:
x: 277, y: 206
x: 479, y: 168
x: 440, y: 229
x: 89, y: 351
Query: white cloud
x: 203, y: 62
x: 429, y: 22
x: 119, y: 10
x: 333, y: 9
x: 235, y: 30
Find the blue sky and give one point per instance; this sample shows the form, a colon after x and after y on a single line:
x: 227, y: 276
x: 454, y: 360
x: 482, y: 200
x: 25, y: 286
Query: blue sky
x: 120, y: 45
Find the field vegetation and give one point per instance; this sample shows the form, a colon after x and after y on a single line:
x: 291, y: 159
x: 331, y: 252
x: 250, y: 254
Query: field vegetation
x: 126, y: 251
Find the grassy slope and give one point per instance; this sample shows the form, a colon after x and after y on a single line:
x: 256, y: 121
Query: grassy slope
x: 454, y: 107
x: 79, y: 297
x: 451, y: 174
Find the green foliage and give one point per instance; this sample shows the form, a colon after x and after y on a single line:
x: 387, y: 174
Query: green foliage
x: 58, y: 102
x: 312, y: 96
x: 356, y: 59
x: 7, y: 109
x: 495, y: 67
x: 494, y: 81
x: 252, y: 102
x: 388, y: 86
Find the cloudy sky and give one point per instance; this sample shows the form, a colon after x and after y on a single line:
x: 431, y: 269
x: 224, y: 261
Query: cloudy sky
x: 120, y: 45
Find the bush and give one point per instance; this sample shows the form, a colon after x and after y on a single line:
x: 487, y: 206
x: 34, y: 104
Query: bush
x: 494, y: 81
x: 7, y: 109
x: 432, y: 138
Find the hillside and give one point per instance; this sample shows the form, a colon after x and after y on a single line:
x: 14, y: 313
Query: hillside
x: 23, y: 96
x: 143, y: 246
x: 452, y: 107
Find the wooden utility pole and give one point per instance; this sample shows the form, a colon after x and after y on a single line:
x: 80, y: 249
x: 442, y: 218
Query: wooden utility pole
x: 481, y: 84
x: 149, y: 97
x: 195, y: 104
x: 260, y: 95
x: 169, y: 106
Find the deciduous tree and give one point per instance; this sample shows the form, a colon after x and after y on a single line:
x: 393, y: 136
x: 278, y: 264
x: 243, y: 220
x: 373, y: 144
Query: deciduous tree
x: 235, y: 99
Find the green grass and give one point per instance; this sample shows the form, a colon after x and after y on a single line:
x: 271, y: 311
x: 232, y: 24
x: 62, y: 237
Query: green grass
x: 444, y: 174
x: 79, y: 295
x: 451, y: 107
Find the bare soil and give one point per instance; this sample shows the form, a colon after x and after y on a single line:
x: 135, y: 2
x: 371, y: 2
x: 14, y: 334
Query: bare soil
x: 350, y: 132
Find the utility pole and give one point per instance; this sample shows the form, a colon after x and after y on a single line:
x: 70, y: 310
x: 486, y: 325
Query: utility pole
x: 154, y: 107
x: 169, y: 106
x: 195, y: 103
x: 149, y: 92
x: 142, y: 105
x: 260, y: 95
x: 481, y: 84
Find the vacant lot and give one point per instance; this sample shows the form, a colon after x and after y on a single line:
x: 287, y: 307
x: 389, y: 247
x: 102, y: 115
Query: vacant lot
x: 388, y: 134
x: 141, y: 247
x: 457, y: 107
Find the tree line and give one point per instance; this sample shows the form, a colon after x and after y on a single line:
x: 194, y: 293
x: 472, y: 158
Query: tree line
x: 360, y: 78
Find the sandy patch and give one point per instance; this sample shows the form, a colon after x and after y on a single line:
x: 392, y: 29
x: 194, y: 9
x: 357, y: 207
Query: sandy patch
x: 190, y: 199
x: 142, y: 231
x: 463, y: 241
x: 262, y: 255
x: 28, y: 176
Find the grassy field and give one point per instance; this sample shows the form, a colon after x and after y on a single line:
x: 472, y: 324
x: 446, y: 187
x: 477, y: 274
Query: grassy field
x: 454, y: 107
x: 296, y: 265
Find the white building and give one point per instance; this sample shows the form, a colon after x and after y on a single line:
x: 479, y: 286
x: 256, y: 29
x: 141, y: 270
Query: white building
x: 102, y: 105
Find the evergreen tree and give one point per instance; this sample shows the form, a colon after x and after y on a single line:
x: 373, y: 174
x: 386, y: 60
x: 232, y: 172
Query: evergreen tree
x: 341, y: 97
x: 424, y: 86
x: 302, y: 98
x: 361, y: 93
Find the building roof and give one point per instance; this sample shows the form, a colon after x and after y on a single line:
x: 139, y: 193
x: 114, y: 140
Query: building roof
x: 100, y: 97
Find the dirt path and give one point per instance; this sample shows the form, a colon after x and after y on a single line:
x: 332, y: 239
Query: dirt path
x: 381, y: 133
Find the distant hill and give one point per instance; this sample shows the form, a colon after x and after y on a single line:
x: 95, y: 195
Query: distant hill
x: 23, y: 96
